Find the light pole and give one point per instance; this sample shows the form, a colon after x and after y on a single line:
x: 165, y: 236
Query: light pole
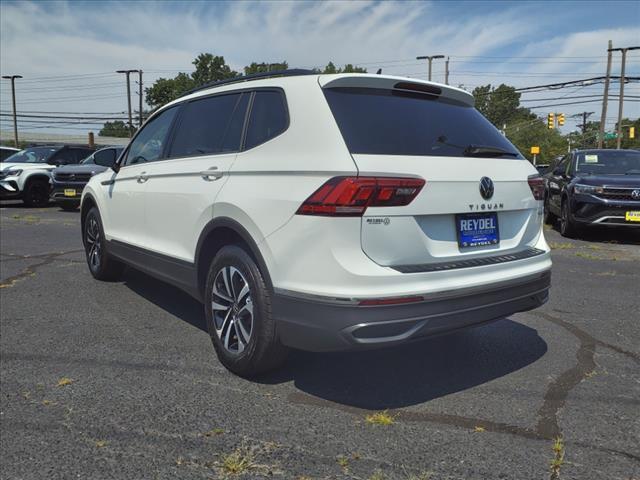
x: 624, y: 60
x: 430, y: 58
x: 13, y: 98
x: 127, y: 73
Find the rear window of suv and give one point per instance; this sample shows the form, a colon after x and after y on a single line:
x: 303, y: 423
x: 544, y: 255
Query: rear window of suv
x: 386, y: 122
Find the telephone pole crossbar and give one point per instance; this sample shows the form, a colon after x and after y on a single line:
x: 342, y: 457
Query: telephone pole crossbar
x: 13, y: 99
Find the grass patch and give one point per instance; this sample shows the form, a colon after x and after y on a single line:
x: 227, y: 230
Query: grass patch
x: 343, y: 462
x: 588, y: 256
x: 64, y: 381
x: 377, y: 475
x: 240, y: 461
x: 561, y: 245
x: 101, y: 443
x: 609, y: 273
x: 213, y: 432
x: 478, y: 429
x: 380, y: 418
x: 558, y: 458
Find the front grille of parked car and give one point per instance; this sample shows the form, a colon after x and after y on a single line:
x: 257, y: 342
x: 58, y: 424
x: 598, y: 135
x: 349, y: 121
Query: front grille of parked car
x: 72, y: 177
x: 616, y: 193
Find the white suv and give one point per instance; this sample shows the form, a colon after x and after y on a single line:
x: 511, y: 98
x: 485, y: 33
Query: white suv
x: 324, y: 212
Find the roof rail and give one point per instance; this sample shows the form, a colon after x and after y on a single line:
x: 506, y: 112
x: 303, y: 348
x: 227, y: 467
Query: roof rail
x: 254, y: 76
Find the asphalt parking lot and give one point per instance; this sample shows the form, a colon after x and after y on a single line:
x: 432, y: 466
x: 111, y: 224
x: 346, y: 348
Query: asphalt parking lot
x: 119, y: 380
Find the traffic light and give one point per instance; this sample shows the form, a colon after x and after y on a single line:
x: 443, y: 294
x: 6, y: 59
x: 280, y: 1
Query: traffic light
x: 551, y: 122
x: 632, y: 132
x: 561, y: 119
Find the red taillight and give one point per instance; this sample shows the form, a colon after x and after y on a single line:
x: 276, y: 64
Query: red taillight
x: 389, y: 301
x: 350, y: 196
x: 536, y: 184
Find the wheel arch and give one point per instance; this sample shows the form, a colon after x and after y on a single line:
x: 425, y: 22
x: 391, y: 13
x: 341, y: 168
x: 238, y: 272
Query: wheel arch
x: 218, y: 233
x: 88, y: 202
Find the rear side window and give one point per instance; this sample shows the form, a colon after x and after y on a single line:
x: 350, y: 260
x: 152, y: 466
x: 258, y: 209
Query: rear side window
x: 210, y: 125
x: 386, y: 122
x: 269, y: 118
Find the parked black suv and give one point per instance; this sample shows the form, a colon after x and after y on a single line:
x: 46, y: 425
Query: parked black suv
x: 593, y: 187
x: 69, y: 181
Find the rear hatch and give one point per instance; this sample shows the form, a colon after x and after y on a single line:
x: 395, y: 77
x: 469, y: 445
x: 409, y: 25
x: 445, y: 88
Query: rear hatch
x: 476, y: 201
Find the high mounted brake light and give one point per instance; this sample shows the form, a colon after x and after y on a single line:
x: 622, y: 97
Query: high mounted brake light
x: 536, y: 184
x: 350, y: 196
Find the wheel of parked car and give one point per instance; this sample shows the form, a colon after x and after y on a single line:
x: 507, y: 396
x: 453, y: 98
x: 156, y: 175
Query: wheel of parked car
x: 239, y: 318
x: 36, y: 194
x: 568, y: 228
x: 101, y: 265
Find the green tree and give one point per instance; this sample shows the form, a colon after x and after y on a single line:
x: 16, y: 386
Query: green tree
x: 208, y: 68
x: 500, y: 104
x: 626, y: 141
x: 348, y: 68
x: 115, y: 129
x: 265, y: 67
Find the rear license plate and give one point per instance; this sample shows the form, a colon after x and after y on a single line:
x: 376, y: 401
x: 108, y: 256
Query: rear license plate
x: 477, y: 229
x: 632, y: 217
x: 69, y: 192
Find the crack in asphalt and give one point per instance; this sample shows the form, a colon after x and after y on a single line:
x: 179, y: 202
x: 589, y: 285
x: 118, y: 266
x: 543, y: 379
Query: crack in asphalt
x: 47, y: 258
x: 554, y: 398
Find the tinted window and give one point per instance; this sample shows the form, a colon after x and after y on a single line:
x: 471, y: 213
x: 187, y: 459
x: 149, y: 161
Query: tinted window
x: 32, y: 155
x: 210, y: 125
x: 608, y: 162
x: 4, y: 153
x: 150, y: 142
x: 268, y: 118
x: 377, y: 121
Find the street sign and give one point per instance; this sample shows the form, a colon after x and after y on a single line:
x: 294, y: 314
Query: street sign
x: 610, y: 136
x: 535, y: 150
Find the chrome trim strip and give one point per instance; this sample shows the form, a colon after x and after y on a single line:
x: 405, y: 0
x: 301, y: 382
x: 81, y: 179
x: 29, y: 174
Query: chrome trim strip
x: 428, y: 296
x: 623, y: 221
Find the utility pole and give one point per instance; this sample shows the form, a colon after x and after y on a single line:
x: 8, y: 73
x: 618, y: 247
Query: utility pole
x: 446, y: 72
x: 621, y: 103
x: 430, y: 58
x: 13, y: 98
x: 605, y: 98
x: 140, y: 95
x: 585, y: 115
x: 128, y: 72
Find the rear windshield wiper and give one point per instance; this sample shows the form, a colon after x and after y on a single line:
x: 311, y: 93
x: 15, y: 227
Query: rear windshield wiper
x: 486, y: 151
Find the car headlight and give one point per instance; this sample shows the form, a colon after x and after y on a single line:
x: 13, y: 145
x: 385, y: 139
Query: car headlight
x: 13, y: 173
x: 590, y: 189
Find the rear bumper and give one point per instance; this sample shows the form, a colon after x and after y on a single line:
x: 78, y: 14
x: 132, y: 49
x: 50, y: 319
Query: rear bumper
x: 328, y: 324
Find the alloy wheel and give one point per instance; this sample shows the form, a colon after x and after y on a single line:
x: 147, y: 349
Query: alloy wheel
x: 232, y: 308
x: 93, y: 243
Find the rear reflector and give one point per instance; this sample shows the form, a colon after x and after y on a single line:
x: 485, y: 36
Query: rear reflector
x: 389, y: 301
x: 536, y: 184
x: 350, y: 196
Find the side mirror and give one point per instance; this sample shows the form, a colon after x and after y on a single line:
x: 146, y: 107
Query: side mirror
x: 558, y: 171
x: 105, y: 158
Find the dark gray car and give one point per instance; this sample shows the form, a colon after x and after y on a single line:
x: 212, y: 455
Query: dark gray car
x: 69, y: 181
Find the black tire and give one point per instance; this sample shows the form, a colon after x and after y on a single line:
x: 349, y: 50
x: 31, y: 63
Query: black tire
x: 69, y: 206
x: 568, y: 227
x: 231, y: 271
x: 101, y: 265
x: 36, y: 193
x: 549, y: 218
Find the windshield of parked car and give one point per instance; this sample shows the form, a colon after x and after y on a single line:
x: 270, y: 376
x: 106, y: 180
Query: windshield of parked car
x: 88, y: 161
x: 32, y: 155
x: 608, y: 162
x: 388, y: 122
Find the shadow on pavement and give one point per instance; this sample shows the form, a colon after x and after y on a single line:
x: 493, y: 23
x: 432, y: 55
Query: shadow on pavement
x: 387, y: 378
x: 620, y: 235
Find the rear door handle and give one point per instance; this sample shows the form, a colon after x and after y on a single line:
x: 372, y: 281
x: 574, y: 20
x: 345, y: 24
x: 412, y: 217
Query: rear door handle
x: 211, y: 174
x: 143, y: 177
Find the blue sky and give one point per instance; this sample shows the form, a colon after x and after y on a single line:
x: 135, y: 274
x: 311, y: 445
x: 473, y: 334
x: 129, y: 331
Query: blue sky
x: 68, y: 51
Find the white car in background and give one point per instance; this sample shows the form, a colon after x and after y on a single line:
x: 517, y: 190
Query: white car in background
x: 324, y: 212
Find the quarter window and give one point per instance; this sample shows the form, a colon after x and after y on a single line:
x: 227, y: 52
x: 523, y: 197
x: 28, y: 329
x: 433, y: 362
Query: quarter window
x: 210, y: 125
x: 150, y: 142
x: 268, y: 118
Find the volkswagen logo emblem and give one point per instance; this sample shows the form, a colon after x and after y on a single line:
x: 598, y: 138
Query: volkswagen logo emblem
x: 486, y: 188
x: 635, y: 194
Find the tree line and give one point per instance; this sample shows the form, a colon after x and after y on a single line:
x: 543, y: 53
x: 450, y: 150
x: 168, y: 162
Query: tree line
x: 500, y: 104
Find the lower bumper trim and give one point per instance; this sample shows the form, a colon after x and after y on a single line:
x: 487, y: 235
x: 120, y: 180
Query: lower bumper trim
x: 316, y: 326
